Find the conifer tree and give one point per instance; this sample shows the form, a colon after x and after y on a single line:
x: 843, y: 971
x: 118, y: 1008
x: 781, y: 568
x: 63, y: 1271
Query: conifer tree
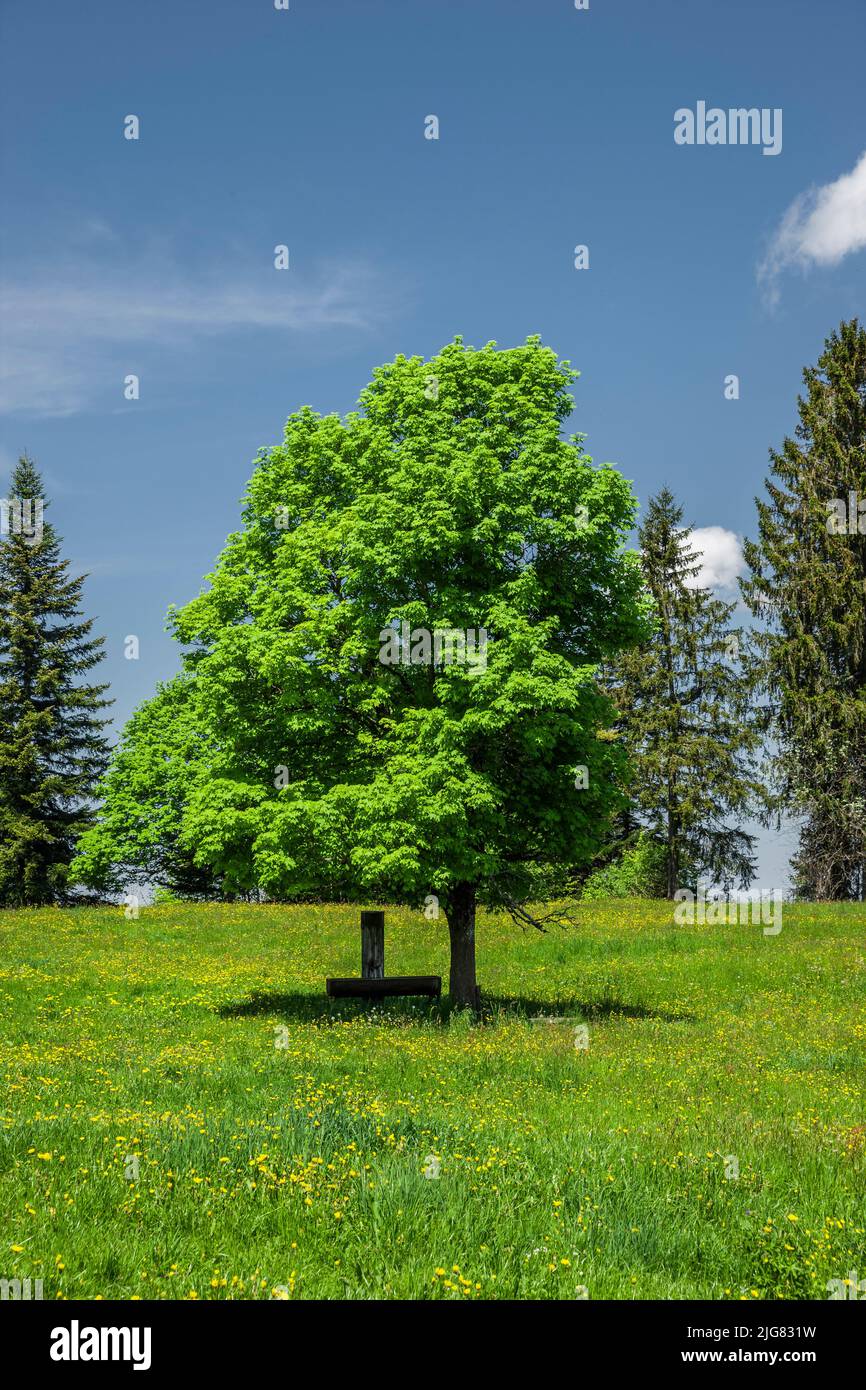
x: 808, y: 585
x: 684, y: 703
x: 52, y: 747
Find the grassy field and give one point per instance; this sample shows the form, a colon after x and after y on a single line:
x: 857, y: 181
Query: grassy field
x: 185, y: 1117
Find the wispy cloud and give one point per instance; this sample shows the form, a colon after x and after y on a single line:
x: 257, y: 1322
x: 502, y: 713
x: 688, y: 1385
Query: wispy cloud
x: 821, y: 226
x: 721, y: 554
x: 66, y: 334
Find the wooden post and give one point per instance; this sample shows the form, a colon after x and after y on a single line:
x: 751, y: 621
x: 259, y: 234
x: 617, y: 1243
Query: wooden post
x: 372, y: 945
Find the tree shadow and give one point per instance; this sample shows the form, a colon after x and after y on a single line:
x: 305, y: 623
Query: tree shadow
x: 299, y: 1007
x: 309, y: 1008
x: 556, y: 1010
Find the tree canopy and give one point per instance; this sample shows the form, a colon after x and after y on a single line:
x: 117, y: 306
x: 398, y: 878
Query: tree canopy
x: 396, y: 659
x: 137, y: 840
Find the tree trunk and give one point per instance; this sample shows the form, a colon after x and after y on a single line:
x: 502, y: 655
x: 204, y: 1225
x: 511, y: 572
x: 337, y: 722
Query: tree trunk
x: 672, y: 873
x: 460, y: 911
x: 673, y: 853
x: 372, y: 945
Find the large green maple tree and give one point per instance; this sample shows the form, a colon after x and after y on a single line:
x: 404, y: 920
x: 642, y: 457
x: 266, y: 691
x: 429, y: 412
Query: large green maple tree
x: 346, y: 760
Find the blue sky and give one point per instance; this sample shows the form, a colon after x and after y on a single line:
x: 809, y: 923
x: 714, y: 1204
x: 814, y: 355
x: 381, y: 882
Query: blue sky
x: 306, y: 128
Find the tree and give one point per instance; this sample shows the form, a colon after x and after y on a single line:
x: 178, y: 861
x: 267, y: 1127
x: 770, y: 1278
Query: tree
x: 685, y: 705
x: 52, y: 748
x: 137, y: 840
x: 397, y: 658
x: 637, y: 869
x: 808, y: 586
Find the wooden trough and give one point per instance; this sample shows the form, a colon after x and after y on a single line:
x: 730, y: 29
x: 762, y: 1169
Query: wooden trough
x: 373, y: 983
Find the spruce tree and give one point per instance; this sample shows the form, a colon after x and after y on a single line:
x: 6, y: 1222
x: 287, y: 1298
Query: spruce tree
x: 808, y: 585
x: 52, y: 747
x: 684, y: 701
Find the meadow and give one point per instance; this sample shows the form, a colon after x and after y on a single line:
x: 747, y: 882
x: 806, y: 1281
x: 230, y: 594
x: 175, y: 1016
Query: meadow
x: 642, y: 1110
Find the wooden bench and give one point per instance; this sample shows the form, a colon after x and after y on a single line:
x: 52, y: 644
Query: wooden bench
x: 389, y: 986
x: 373, y: 983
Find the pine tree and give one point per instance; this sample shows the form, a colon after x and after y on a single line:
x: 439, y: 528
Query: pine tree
x: 684, y: 701
x: 808, y: 585
x: 52, y: 748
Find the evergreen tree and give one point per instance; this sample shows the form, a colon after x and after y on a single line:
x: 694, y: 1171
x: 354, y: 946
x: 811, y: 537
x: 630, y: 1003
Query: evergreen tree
x: 52, y: 748
x: 684, y: 702
x: 808, y: 584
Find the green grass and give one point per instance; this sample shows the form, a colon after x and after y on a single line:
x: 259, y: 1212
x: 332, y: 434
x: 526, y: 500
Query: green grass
x: 295, y: 1160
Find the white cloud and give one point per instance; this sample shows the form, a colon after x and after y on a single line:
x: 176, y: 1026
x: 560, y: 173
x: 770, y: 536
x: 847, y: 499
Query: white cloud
x: 821, y: 226
x: 721, y: 555
x: 71, y: 332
